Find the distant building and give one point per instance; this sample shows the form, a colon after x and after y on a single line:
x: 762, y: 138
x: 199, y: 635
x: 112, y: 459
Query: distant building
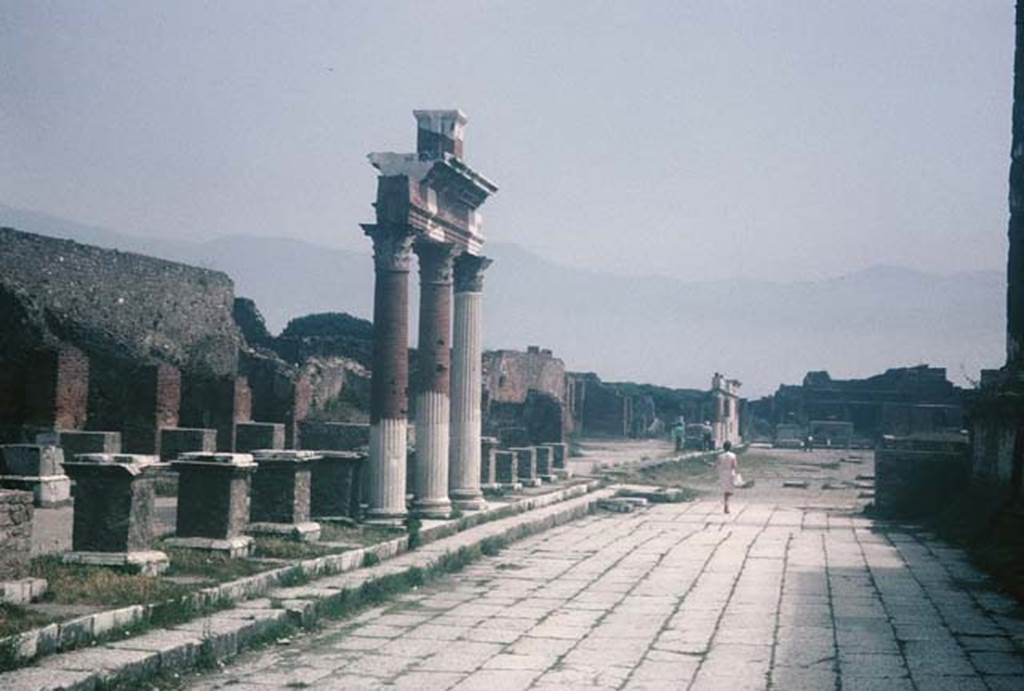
x: 900, y: 401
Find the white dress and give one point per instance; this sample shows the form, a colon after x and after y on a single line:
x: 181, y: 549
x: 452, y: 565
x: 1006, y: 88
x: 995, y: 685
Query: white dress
x: 727, y: 471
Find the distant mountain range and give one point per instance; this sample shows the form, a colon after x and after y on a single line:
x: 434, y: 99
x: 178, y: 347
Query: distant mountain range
x: 645, y: 329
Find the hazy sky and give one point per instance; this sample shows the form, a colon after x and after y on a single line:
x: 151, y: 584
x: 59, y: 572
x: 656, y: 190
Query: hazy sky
x: 777, y: 139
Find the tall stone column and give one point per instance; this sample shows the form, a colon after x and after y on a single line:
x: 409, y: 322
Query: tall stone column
x: 464, y: 473
x: 392, y: 256
x: 1015, y: 256
x: 433, y: 380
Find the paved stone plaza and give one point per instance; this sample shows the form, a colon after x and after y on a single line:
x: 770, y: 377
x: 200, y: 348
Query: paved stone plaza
x: 784, y: 594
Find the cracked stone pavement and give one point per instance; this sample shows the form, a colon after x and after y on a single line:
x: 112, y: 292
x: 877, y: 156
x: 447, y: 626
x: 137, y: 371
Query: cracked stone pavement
x: 785, y: 594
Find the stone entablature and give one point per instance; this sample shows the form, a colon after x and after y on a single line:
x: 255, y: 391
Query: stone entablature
x: 433, y: 192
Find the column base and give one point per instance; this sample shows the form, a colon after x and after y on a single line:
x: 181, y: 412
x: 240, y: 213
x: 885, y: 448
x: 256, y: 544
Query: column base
x: 385, y: 519
x: 438, y: 509
x: 231, y: 547
x: 22, y: 591
x: 300, y: 532
x: 468, y: 500
x: 145, y: 563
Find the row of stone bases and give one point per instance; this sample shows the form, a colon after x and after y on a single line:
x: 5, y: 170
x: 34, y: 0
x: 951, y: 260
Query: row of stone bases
x: 223, y: 499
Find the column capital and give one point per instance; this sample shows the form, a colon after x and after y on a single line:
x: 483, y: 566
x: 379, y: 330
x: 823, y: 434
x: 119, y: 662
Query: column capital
x: 469, y: 273
x: 436, y: 259
x: 392, y: 246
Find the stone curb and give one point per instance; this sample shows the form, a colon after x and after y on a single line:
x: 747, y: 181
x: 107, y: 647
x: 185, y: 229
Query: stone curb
x: 223, y: 634
x: 74, y: 633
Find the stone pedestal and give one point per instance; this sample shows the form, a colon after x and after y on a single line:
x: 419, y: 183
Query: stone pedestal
x: 545, y: 469
x: 526, y: 465
x: 37, y: 469
x: 114, y: 519
x: 506, y: 473
x: 175, y: 441
x: 918, y: 474
x: 250, y: 436
x: 560, y: 459
x: 16, y: 541
x: 465, y: 479
x: 336, y: 484
x: 75, y: 442
x: 280, y: 495
x: 488, y: 473
x: 213, y: 502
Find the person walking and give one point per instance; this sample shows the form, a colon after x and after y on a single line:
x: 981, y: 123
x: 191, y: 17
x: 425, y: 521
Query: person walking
x: 727, y: 473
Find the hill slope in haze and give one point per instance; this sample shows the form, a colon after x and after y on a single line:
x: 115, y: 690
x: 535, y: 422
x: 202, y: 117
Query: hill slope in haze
x: 645, y: 329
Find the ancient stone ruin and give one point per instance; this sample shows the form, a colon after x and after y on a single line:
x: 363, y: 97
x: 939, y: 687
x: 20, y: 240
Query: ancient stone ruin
x: 427, y: 205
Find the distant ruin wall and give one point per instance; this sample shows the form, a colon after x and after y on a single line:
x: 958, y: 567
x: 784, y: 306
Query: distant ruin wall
x: 509, y: 375
x: 525, y: 391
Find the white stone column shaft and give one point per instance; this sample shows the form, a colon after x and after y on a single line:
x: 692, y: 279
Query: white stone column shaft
x: 464, y: 471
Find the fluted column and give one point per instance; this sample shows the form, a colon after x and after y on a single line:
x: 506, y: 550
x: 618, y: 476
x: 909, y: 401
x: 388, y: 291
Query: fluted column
x: 392, y: 256
x: 433, y: 380
x: 464, y: 473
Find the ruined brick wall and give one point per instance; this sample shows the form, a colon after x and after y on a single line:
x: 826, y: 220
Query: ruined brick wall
x: 56, y: 388
x: 122, y: 305
x: 900, y: 401
x: 15, y: 533
x: 525, y: 391
x: 598, y: 409
x: 509, y: 375
x: 122, y: 326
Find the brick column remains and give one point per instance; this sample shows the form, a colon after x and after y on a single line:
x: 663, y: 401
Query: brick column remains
x: 464, y: 472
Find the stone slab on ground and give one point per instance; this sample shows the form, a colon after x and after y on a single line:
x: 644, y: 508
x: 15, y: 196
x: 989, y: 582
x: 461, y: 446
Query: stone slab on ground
x: 678, y: 596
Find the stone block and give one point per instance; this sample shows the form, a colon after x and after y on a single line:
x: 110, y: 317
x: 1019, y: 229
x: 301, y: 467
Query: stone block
x: 336, y: 481
x: 918, y: 474
x: 74, y: 442
x: 526, y: 465
x: 545, y: 467
x: 174, y: 441
x: 233, y: 548
x: 32, y: 460
x: 22, y: 591
x: 488, y: 445
x: 213, y: 499
x: 559, y: 456
x: 281, y: 495
x: 36, y: 468
x: 250, y: 436
x: 301, y: 532
x: 506, y: 468
x: 114, y: 520
x: 145, y: 562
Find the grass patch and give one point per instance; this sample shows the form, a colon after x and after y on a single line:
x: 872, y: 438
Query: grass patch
x: 336, y: 531
x: 75, y: 584
x: 15, y: 619
x: 210, y: 565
